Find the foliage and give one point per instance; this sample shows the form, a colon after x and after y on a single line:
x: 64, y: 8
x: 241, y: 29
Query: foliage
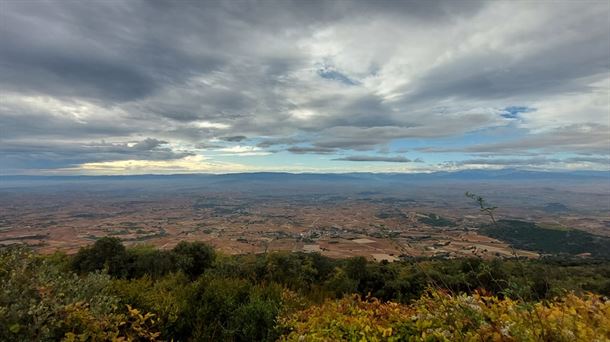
x: 193, y: 258
x: 439, y: 316
x: 234, y: 309
x: 191, y: 293
x: 296, y: 270
x: 84, y: 326
x: 340, y: 283
x: 40, y: 301
x: 149, y: 261
x: 168, y: 297
x: 435, y: 220
x: 107, y: 252
x: 348, y: 319
x: 528, y: 235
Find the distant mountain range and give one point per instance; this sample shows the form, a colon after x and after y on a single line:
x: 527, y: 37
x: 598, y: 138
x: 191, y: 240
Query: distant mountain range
x: 464, y: 175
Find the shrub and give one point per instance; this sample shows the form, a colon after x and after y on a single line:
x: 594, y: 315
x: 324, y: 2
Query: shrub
x: 439, y: 316
x: 41, y: 302
x: 234, y: 309
x: 167, y: 297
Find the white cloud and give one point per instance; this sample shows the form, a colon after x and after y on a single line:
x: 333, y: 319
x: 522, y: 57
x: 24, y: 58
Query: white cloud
x: 591, y: 107
x: 188, y: 164
x: 242, y: 150
x: 208, y: 124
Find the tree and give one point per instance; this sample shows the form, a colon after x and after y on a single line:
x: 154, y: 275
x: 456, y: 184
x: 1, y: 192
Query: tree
x: 106, y: 253
x: 486, y: 208
x: 340, y: 283
x: 193, y: 258
x: 146, y: 260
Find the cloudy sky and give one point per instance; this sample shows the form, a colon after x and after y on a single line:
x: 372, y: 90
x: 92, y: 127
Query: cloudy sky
x: 124, y: 87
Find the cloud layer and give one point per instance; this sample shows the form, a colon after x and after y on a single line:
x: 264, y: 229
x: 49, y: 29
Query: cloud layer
x: 274, y: 85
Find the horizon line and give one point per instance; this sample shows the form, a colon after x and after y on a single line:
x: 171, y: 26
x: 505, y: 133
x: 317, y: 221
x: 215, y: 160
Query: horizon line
x: 300, y: 173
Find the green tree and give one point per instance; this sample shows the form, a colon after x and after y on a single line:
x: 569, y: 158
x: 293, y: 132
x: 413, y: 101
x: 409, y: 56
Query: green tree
x: 193, y: 258
x: 147, y: 260
x: 106, y: 253
x: 340, y: 283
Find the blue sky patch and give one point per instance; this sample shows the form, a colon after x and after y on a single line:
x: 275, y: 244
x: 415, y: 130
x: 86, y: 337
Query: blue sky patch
x: 336, y: 76
x: 513, y: 112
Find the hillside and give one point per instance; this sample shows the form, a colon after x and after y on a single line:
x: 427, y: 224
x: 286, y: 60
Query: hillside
x: 193, y: 293
x: 530, y: 236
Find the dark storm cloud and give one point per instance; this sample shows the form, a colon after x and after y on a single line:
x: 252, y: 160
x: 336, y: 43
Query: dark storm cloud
x: 278, y: 141
x: 63, y: 155
x: 124, y: 51
x: 23, y: 122
x: 363, y: 138
x: 234, y: 138
x: 548, y: 66
x: 397, y: 159
x: 365, y: 111
x: 108, y: 52
x: 333, y: 76
x: 148, y: 144
x: 42, y: 52
x: 311, y: 149
x: 207, y: 146
x: 567, y: 70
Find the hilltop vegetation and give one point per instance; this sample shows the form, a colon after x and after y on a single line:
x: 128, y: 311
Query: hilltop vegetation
x: 438, y: 316
x: 192, y: 293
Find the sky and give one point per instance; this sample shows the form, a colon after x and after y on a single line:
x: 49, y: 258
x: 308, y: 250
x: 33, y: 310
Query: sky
x: 133, y: 87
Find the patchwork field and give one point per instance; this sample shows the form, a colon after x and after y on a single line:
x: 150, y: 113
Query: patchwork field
x: 377, y: 225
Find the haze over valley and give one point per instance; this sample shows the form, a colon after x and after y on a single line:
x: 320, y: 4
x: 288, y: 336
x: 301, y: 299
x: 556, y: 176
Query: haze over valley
x: 379, y: 216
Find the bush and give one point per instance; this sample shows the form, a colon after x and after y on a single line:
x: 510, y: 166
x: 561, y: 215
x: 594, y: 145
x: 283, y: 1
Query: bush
x: 230, y: 309
x: 439, y: 316
x: 39, y: 301
x: 190, y: 294
x: 168, y: 297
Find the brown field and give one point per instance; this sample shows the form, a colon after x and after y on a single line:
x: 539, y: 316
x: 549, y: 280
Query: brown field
x: 379, y: 221
x: 239, y: 224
